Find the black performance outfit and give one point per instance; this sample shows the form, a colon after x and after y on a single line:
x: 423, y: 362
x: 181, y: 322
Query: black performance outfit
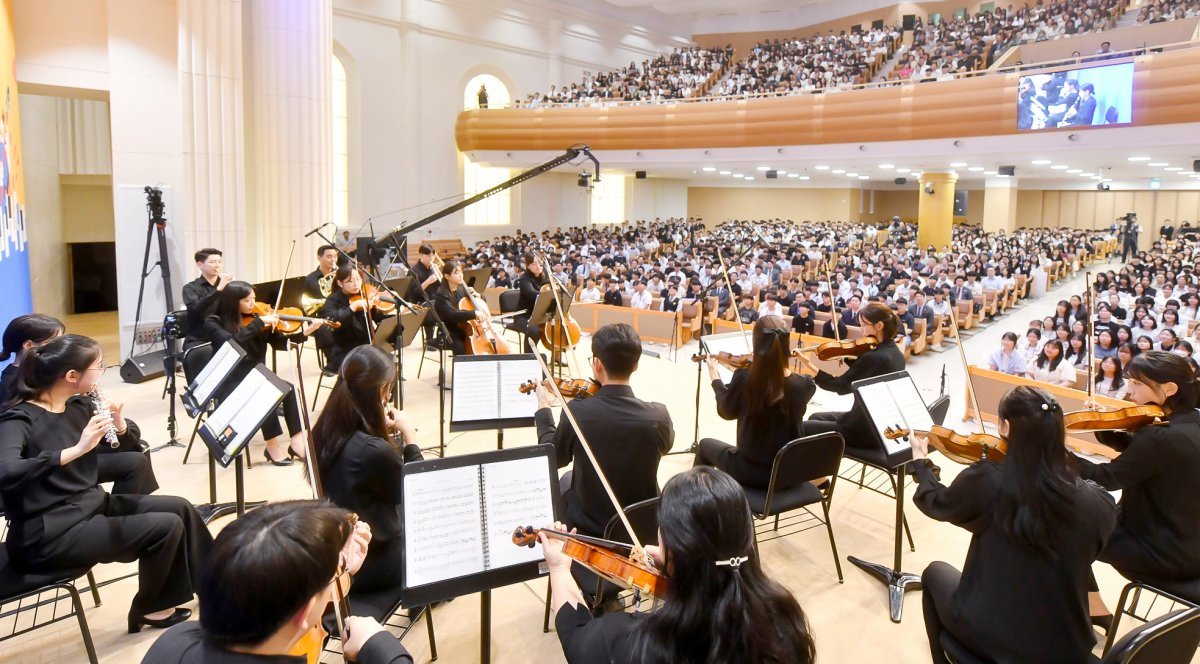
x: 420, y: 272
x: 855, y: 424
x: 529, y: 287
x: 200, y: 299
x: 603, y: 640
x: 353, y: 331
x: 61, y: 519
x: 128, y: 467
x: 364, y: 478
x: 323, y: 337
x: 254, y: 340
x: 628, y: 436
x: 446, y: 305
x: 1158, y: 473
x: 759, y: 436
x: 1010, y: 604
x: 186, y: 644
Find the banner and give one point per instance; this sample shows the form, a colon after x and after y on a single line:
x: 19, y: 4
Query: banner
x: 14, y: 250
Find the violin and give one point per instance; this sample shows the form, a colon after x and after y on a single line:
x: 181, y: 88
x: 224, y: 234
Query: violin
x: 832, y: 350
x: 1131, y: 418
x: 963, y: 449
x: 312, y: 643
x: 571, y: 388
x: 727, y: 359
x: 377, y: 300
x: 291, y: 319
x: 483, y: 339
x: 619, y: 563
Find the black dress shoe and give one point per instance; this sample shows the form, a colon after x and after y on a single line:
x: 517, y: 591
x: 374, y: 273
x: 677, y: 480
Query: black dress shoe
x: 180, y: 615
x: 273, y: 462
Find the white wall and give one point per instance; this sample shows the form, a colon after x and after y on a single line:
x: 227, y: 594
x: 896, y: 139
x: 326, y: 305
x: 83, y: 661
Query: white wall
x: 43, y: 204
x: 655, y: 197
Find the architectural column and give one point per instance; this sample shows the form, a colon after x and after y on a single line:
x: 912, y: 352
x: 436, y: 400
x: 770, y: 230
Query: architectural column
x: 213, y: 132
x: 935, y: 210
x: 554, y: 51
x: 289, y: 146
x: 1000, y: 205
x: 411, y: 181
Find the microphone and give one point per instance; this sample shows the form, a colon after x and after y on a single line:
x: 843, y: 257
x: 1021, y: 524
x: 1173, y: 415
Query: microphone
x: 318, y: 229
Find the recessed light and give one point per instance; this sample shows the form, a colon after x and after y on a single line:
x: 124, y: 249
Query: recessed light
x: 725, y: 172
x: 709, y: 169
x: 822, y: 168
x: 989, y: 172
x: 887, y: 166
x: 794, y: 175
x: 1060, y: 167
x: 804, y: 177
x: 1173, y: 168
x: 1158, y: 163
x: 764, y: 168
x: 781, y: 172
x: 1086, y: 175
x: 1139, y: 159
x: 837, y: 171
x: 864, y: 177
x: 1073, y: 171
x: 903, y: 170
x: 1107, y: 180
x: 739, y: 175
x: 749, y: 177
x: 1041, y: 162
x: 958, y: 164
x: 852, y: 175
x: 976, y: 169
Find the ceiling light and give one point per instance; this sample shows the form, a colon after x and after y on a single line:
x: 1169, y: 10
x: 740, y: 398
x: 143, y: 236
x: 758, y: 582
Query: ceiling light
x: 804, y: 177
x: 709, y: 169
x: 1106, y: 180
x: 1060, y: 167
x: 1173, y: 168
x: 1041, y: 162
x: 976, y: 169
x: 864, y: 177
x: 764, y: 168
x: 1139, y: 159
x: 837, y: 171
x: 739, y: 175
x: 1073, y: 171
x: 991, y: 173
x: 1158, y: 163
x: 958, y: 164
x: 822, y: 168
x: 887, y: 166
x: 903, y: 170
x: 725, y: 172
x: 852, y: 175
x: 794, y: 175
x: 781, y: 172
x: 749, y: 177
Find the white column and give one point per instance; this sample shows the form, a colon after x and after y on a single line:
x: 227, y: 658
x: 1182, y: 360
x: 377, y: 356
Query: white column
x: 213, y: 131
x: 412, y: 177
x: 289, y: 146
x: 1000, y: 204
x: 554, y: 50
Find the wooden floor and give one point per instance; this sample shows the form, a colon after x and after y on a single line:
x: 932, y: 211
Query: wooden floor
x: 850, y: 620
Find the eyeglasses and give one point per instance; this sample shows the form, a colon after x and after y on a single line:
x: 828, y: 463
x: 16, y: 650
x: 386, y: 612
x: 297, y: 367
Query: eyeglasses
x: 100, y: 368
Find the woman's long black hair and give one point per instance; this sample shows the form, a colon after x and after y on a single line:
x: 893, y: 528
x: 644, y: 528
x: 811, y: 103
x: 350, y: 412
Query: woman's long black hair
x: 1160, y: 366
x: 229, y: 304
x: 1042, y: 359
x: 43, y: 365
x: 766, y: 383
x: 355, y: 404
x: 29, y: 327
x: 717, y: 613
x: 1033, y: 506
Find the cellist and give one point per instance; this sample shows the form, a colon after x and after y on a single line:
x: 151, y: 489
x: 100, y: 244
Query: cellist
x: 445, y: 300
x: 530, y: 285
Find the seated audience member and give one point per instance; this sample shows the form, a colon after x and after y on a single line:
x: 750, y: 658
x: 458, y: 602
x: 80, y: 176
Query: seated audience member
x: 1051, y: 367
x: 1007, y: 359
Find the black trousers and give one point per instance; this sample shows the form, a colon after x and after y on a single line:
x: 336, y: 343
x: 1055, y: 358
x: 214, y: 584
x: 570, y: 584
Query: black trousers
x: 1128, y: 247
x: 938, y: 583
x: 163, y: 533
x: 722, y: 455
x: 1129, y: 556
x: 291, y: 415
x: 130, y: 471
x: 827, y: 422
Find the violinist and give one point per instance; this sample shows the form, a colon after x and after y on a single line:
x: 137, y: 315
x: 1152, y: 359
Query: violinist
x: 59, y: 516
x: 720, y: 606
x: 128, y: 467
x: 446, y: 298
x: 629, y: 436
x: 530, y: 285
x: 268, y: 582
x: 347, y: 307
x: 1036, y: 527
x: 235, y: 305
x: 362, y: 444
x: 879, y: 321
x: 1158, y: 474
x: 767, y: 400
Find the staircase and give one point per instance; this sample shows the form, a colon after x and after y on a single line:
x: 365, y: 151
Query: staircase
x: 1128, y: 19
x: 889, y: 64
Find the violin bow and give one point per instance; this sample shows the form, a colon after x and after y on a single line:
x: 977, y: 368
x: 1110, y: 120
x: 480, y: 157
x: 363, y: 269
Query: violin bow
x: 587, y: 448
x: 286, y: 268
x: 737, y: 316
x: 1091, y: 345
x: 833, y: 320
x: 962, y: 356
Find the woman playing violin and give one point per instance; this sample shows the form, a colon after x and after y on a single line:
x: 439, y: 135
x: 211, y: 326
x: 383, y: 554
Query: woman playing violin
x: 767, y: 400
x: 345, y: 305
x: 446, y: 298
x: 1036, y: 527
x: 877, y: 321
x: 1158, y: 473
x: 719, y: 606
x: 235, y: 303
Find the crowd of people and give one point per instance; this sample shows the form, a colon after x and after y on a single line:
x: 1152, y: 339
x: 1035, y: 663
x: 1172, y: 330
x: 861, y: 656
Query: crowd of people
x: 1161, y: 11
x: 823, y: 62
x: 683, y: 73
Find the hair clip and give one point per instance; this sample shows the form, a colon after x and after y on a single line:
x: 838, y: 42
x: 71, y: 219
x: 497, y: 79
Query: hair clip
x: 734, y: 562
x: 1045, y: 406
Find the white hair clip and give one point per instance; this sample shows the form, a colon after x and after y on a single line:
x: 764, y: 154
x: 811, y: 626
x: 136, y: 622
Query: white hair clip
x: 1045, y: 406
x: 734, y: 562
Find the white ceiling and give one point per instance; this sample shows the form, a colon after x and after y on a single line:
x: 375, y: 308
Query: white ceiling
x: 700, y: 7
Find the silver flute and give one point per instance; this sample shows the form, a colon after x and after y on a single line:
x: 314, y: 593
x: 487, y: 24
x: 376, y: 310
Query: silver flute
x: 101, y: 406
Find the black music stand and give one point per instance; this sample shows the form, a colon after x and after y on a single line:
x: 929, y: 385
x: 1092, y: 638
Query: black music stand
x: 293, y: 288
x: 500, y: 376
x: 477, y: 278
x: 393, y: 335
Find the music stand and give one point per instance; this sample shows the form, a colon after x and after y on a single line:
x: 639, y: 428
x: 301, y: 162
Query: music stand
x: 485, y: 393
x: 293, y: 288
x: 393, y: 335
x: 543, y: 313
x: 399, y: 284
x: 477, y: 278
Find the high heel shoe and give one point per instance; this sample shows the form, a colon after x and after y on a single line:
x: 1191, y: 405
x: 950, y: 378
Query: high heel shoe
x: 293, y: 454
x: 180, y: 615
x: 273, y: 462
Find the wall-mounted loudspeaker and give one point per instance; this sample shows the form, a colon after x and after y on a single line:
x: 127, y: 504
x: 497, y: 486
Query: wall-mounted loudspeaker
x: 901, y: 180
x: 641, y: 175
x: 772, y: 175
x: 1007, y: 170
x: 1196, y: 166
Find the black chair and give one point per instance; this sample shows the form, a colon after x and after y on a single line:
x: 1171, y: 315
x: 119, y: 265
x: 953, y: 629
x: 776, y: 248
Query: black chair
x: 1169, y: 639
x: 509, y: 302
x: 384, y: 605
x: 322, y: 361
x: 1186, y: 593
x: 958, y: 653
x: 791, y: 488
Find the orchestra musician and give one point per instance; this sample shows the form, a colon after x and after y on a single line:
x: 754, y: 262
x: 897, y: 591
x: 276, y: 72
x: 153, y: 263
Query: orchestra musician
x: 345, y: 307
x: 318, y: 285
x: 767, y: 400
x: 446, y: 298
x: 268, y: 581
x: 200, y: 295
x: 1158, y: 473
x: 530, y: 285
x: 628, y: 436
x: 128, y: 467
x: 720, y: 606
x: 425, y: 280
x: 879, y: 321
x: 1036, y: 527
x: 59, y: 517
x: 235, y: 304
x: 362, y: 444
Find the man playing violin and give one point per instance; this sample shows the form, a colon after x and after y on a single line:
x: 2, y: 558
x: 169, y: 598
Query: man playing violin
x: 1158, y: 474
x: 628, y: 436
x: 356, y: 315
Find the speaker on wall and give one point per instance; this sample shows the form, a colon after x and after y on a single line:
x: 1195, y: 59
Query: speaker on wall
x: 908, y: 21
x: 1007, y: 170
x: 1196, y: 166
x: 901, y: 180
x: 641, y: 175
x: 772, y: 175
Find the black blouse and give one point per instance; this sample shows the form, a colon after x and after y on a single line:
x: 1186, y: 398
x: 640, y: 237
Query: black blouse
x: 353, y: 330
x: 1018, y: 605
x: 762, y: 435
x: 604, y: 640
x: 884, y: 359
x: 365, y: 479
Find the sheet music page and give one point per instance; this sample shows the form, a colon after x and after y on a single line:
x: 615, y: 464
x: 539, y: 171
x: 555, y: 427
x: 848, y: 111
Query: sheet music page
x: 476, y: 386
x: 217, y: 368
x: 896, y: 402
x: 442, y: 525
x: 733, y: 343
x: 513, y: 373
x: 244, y: 408
x: 515, y: 494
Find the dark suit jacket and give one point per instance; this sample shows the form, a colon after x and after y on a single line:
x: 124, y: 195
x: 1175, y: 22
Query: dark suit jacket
x: 628, y: 436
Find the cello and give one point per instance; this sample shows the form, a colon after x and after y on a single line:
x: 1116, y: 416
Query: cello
x: 482, y: 339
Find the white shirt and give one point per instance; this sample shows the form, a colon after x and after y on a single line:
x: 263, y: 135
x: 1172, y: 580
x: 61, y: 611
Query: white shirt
x: 590, y: 295
x: 1064, y: 373
x: 766, y: 309
x: 641, y: 300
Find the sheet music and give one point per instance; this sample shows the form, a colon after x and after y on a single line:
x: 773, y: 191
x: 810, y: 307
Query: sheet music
x: 476, y: 392
x: 896, y: 402
x: 243, y: 409
x: 443, y: 525
x: 513, y: 373
x: 515, y: 494
x: 216, y: 369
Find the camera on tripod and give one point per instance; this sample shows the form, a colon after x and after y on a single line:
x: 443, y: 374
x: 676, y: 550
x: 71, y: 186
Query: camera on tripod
x: 154, y: 203
x: 172, y: 327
